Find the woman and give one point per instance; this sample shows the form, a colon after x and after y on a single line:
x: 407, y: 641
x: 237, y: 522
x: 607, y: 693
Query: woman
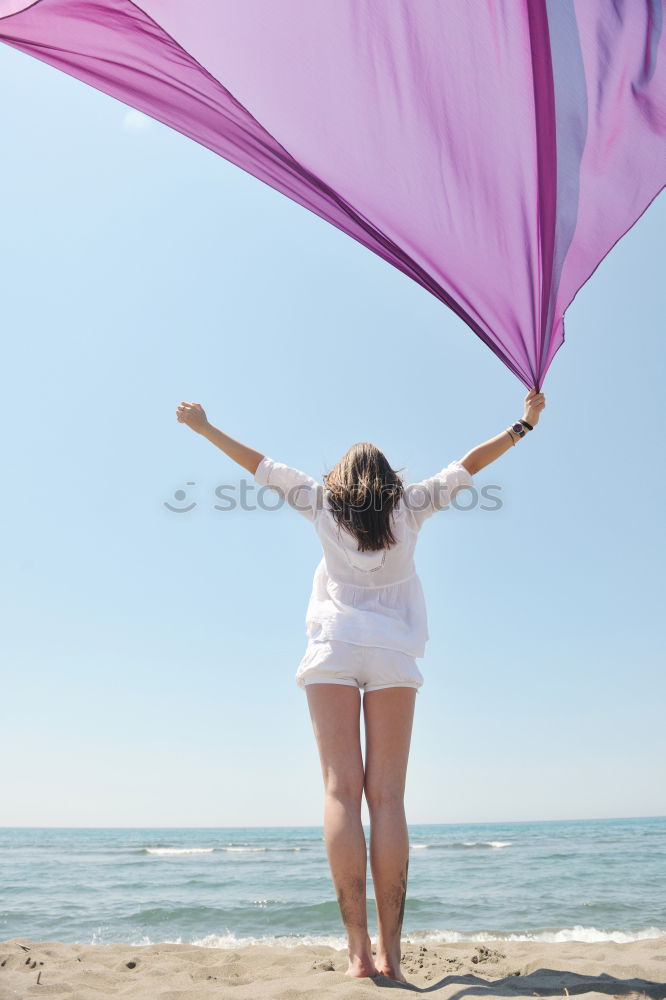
x: 366, y: 625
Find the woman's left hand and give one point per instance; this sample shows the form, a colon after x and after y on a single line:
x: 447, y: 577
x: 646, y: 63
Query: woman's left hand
x: 192, y: 414
x: 535, y: 402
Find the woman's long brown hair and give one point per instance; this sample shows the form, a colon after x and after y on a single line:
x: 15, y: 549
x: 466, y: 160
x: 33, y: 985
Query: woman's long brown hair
x: 363, y: 491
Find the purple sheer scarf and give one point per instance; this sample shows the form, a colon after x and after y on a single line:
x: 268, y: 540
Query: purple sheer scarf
x: 493, y: 151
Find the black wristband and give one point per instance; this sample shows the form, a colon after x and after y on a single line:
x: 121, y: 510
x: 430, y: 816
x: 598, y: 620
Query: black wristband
x: 525, y: 424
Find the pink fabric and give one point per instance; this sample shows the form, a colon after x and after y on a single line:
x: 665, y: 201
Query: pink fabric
x: 493, y: 151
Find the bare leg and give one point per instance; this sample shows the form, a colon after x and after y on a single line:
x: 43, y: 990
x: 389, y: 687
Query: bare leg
x: 335, y: 712
x: 389, y: 858
x: 388, y: 714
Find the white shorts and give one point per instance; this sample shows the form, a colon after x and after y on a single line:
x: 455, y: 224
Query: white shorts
x: 331, y: 661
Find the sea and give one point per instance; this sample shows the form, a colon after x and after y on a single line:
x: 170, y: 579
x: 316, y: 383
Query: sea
x: 578, y: 880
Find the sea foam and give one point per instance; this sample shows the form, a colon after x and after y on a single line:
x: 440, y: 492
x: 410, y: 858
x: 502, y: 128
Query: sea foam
x: 589, y: 935
x: 453, y: 844
x: 179, y: 850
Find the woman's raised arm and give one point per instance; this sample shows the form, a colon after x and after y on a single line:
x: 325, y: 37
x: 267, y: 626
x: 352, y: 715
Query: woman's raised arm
x: 490, y: 450
x: 194, y: 416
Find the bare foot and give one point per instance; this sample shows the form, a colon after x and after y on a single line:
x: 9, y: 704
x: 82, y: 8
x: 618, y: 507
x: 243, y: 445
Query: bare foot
x: 361, y: 962
x: 398, y: 977
x: 390, y: 967
x: 361, y: 967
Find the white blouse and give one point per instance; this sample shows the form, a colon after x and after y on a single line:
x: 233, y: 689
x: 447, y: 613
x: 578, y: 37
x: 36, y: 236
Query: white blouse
x: 368, y: 598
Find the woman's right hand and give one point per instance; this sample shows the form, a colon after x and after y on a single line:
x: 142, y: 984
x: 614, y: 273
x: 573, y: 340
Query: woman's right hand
x: 534, y: 404
x: 192, y: 414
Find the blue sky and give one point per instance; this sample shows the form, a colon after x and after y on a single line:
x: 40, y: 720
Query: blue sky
x: 148, y: 656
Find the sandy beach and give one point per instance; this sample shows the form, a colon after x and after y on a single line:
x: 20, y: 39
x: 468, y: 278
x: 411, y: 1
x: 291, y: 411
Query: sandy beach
x: 188, y: 972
